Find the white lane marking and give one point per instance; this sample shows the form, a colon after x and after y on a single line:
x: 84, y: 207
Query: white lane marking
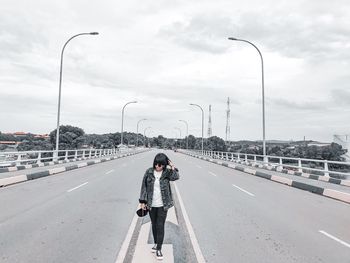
x: 70, y: 190
x: 212, y: 173
x: 198, y: 166
x: 335, y: 238
x: 243, y: 190
x: 194, y: 241
x: 111, y: 171
x: 126, y: 242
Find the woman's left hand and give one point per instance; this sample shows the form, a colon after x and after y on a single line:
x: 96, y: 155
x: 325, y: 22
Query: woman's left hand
x: 172, y: 165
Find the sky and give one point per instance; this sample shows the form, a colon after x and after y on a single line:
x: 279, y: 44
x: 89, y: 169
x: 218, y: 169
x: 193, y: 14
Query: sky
x: 168, y: 54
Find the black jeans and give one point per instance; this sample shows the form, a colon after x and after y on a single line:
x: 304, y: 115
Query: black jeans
x: 158, y: 216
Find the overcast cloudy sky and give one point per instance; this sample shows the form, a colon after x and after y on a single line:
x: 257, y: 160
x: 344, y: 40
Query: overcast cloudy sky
x: 167, y: 54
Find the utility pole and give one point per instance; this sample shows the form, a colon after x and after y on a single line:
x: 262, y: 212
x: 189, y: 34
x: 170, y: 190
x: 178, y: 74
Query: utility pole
x: 228, y: 120
x: 209, y: 123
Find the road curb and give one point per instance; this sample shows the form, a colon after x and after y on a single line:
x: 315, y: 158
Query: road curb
x: 297, y: 173
x: 41, y: 164
x: 32, y: 176
x: 334, y: 194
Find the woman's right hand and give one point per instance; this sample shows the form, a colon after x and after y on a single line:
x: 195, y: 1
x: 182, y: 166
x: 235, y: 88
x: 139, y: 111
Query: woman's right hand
x: 143, y: 206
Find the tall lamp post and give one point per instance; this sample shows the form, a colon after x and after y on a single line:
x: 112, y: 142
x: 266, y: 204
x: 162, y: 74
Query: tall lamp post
x: 192, y: 104
x: 121, y: 134
x: 137, y: 131
x: 144, y: 134
x: 186, y: 132
x: 263, y: 89
x: 177, y: 128
x: 59, y: 89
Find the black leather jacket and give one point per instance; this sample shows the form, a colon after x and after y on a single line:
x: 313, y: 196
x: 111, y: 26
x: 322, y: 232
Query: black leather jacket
x: 146, y: 194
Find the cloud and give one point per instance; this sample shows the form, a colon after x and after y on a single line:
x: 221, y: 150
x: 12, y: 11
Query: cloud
x: 341, y: 97
x: 293, y: 105
x: 206, y: 33
x: 310, y: 35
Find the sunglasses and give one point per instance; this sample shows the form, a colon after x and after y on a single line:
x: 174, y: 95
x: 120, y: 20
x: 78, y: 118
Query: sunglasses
x: 159, y: 164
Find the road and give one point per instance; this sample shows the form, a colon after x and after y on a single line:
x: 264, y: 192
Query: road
x: 84, y: 215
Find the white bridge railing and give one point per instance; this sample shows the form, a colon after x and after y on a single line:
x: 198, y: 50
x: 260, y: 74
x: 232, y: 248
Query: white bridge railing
x: 31, y: 157
x: 319, y: 167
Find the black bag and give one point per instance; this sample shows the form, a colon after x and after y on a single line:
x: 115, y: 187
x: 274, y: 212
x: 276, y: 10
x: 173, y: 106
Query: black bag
x: 142, y: 212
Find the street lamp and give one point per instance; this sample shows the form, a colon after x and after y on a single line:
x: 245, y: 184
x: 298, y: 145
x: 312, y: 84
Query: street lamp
x: 192, y: 104
x: 137, y: 131
x: 263, y: 89
x: 186, y: 132
x: 121, y: 134
x: 59, y: 88
x: 144, y: 135
x: 177, y: 128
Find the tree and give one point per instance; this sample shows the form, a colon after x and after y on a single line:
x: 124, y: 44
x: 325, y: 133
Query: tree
x: 70, y: 137
x: 191, y: 142
x: 215, y: 143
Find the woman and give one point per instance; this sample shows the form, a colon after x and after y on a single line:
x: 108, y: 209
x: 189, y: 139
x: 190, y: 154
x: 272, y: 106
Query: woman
x: 156, y: 196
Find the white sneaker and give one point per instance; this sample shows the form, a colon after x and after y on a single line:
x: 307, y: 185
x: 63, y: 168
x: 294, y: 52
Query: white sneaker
x: 159, y: 255
x: 154, y: 248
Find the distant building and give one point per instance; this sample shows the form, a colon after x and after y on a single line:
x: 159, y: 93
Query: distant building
x: 20, y: 134
x: 23, y: 134
x: 42, y: 136
x: 318, y: 144
x: 9, y: 142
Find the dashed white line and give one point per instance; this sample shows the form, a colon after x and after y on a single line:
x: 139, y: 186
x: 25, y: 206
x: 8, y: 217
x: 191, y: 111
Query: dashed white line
x: 212, y: 173
x: 111, y: 171
x: 198, y: 166
x: 245, y: 191
x: 335, y: 238
x: 70, y: 190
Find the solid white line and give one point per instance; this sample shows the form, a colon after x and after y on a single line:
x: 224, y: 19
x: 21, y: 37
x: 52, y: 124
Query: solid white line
x: 111, y: 171
x: 212, y: 173
x: 335, y: 238
x: 198, y: 166
x: 125, y: 245
x: 194, y: 241
x: 243, y: 190
x: 70, y: 190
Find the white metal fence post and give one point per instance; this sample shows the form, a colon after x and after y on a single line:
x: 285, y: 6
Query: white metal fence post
x: 326, y: 173
x: 300, y: 169
x: 39, y: 158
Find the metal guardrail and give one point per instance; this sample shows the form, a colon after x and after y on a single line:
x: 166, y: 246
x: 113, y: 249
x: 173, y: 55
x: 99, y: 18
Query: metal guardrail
x: 321, y: 167
x: 8, y: 159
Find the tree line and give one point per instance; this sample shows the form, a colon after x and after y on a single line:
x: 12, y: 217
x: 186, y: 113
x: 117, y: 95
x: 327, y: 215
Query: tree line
x: 75, y: 138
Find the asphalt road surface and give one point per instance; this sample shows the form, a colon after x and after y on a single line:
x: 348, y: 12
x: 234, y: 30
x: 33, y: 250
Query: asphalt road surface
x: 84, y: 215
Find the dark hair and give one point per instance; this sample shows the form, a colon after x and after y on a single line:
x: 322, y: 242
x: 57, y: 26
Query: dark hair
x: 162, y: 159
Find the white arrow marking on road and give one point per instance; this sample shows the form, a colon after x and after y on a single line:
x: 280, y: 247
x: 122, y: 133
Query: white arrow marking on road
x: 335, y: 238
x: 194, y: 241
x: 142, y: 249
x: 70, y: 190
x: 212, y: 173
x: 243, y: 190
x: 124, y: 248
x: 198, y: 166
x: 111, y: 171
